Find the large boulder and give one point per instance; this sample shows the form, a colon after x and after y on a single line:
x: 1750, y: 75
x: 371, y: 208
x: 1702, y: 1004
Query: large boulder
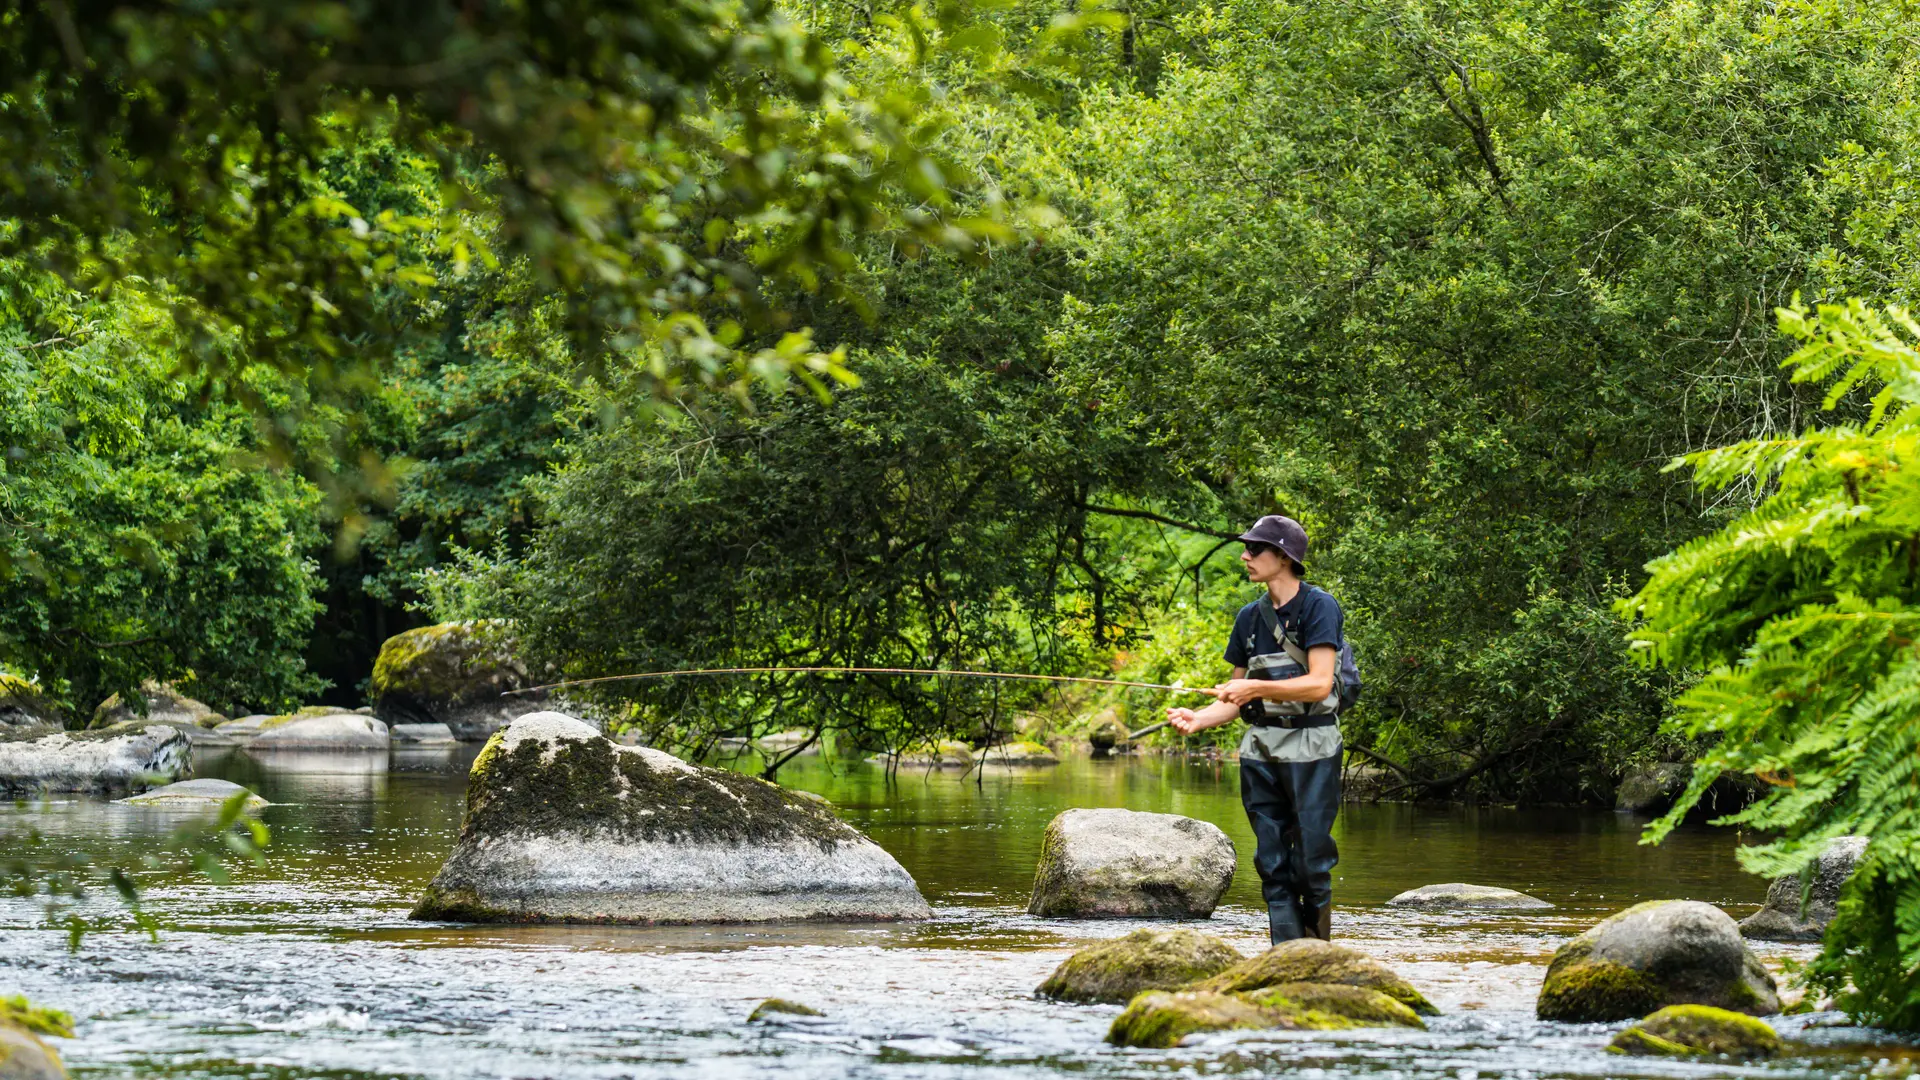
x: 564, y: 825
x: 1660, y: 953
x: 421, y: 735
x: 164, y: 705
x: 205, y: 794
x: 1150, y: 959
x: 1457, y: 896
x: 1310, y: 960
x: 1020, y: 752
x: 24, y: 1057
x: 1781, y: 918
x: 329, y: 731
x: 23, y: 708
x: 1159, y: 1020
x: 1651, y: 789
x: 453, y: 674
x: 1698, y: 1030
x: 95, y: 762
x: 1111, y: 863
x: 1107, y: 733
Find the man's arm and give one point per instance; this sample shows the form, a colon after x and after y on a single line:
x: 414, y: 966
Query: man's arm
x: 1188, y: 721
x: 1316, y: 684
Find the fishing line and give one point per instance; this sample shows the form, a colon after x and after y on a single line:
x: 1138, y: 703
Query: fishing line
x: 855, y: 671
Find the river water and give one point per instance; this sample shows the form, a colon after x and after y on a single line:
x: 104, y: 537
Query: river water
x: 308, y: 967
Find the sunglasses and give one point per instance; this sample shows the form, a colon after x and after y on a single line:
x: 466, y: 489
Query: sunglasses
x: 1257, y: 550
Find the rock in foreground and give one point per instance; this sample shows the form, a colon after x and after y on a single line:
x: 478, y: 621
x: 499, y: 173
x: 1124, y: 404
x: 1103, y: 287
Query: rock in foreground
x: 1127, y: 864
x: 1159, y: 1020
x: 1688, y: 1030
x: 1310, y: 960
x: 775, y: 1008
x: 453, y: 674
x: 1114, y: 971
x: 24, y: 1057
x: 563, y: 825
x: 331, y: 731
x: 204, y: 794
x: 1781, y: 920
x: 1664, y: 952
x: 95, y: 762
x: 1457, y: 896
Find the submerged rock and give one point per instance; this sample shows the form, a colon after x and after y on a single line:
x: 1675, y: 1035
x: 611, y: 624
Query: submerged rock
x: 204, y: 794
x: 1660, y: 953
x: 1456, y: 895
x: 1159, y: 1019
x: 95, y: 762
x: 453, y: 674
x: 330, y: 731
x: 1111, y: 863
x: 1688, y: 1030
x: 165, y: 705
x: 1150, y: 959
x: 1310, y: 960
x: 774, y: 1008
x: 564, y: 825
x: 1781, y: 919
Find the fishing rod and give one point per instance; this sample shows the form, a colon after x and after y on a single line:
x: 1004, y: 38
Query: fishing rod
x: 828, y: 670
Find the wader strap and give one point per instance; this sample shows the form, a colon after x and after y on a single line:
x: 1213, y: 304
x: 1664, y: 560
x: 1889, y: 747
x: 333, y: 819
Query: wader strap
x: 1330, y: 703
x: 1293, y: 722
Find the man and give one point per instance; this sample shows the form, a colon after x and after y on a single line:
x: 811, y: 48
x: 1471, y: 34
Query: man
x: 1285, y: 655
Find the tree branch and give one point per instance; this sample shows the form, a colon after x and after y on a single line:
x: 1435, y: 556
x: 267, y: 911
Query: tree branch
x: 1147, y: 515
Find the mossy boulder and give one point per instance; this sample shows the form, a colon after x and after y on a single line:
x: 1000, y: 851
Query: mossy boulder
x: 1660, y: 953
x: 205, y: 794
x: 453, y: 674
x: 775, y: 1008
x: 1310, y: 960
x: 1150, y: 959
x: 94, y: 762
x: 22, y: 1055
x: 943, y: 754
x: 24, y: 709
x: 1459, y: 896
x: 564, y: 825
x: 160, y: 703
x: 1111, y: 863
x: 1782, y: 918
x: 1107, y: 733
x: 1651, y: 789
x: 1160, y: 1019
x: 1692, y: 1030
x: 1019, y: 753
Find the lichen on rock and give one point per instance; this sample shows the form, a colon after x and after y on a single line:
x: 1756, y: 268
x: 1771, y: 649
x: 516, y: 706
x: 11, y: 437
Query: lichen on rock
x: 1357, y: 1005
x: 564, y: 825
x: 164, y: 704
x: 22, y: 1055
x: 1161, y: 1019
x: 1690, y: 1030
x: 203, y: 794
x: 1663, y: 952
x: 1310, y: 960
x: 1148, y: 959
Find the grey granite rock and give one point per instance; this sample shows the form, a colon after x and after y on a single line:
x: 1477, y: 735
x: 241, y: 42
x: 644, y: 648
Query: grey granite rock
x: 335, y: 731
x: 202, y: 794
x: 1781, y: 918
x: 1664, y: 952
x: 95, y: 762
x: 1110, y: 863
x: 1461, y: 896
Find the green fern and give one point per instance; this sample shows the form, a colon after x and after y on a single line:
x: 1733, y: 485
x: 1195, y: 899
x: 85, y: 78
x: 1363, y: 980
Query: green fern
x: 1805, y: 616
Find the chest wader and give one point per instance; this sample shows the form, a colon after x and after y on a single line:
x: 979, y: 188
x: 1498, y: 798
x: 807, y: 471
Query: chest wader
x: 1291, y: 804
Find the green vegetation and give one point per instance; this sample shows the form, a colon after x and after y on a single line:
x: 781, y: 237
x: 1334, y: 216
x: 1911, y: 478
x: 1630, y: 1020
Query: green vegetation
x: 727, y: 333
x: 1803, y: 612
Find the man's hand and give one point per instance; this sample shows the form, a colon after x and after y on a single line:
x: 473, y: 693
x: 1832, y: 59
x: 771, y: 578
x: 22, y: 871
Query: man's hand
x: 1237, y: 691
x: 1185, y: 721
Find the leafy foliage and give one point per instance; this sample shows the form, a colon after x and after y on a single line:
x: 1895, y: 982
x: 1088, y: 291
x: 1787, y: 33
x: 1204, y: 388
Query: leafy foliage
x: 1804, y: 613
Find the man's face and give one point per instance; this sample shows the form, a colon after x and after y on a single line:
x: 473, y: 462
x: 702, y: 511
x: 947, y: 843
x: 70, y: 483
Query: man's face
x: 1263, y: 562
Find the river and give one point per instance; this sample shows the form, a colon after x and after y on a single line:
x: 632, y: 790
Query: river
x: 308, y: 967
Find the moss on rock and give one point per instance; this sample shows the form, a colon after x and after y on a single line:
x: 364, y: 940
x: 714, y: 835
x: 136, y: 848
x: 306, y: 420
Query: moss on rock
x: 1358, y: 1005
x: 1683, y: 1030
x: 1654, y: 954
x: 449, y: 661
x: 1310, y: 960
x: 1158, y: 1019
x: 1596, y: 990
x: 1151, y: 959
x: 773, y: 1007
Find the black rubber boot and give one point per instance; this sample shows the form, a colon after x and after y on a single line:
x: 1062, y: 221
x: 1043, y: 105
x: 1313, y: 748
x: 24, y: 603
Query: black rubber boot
x: 1283, y: 923
x: 1317, y: 921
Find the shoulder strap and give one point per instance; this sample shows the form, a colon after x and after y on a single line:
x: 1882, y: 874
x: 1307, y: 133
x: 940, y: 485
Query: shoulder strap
x: 1272, y: 620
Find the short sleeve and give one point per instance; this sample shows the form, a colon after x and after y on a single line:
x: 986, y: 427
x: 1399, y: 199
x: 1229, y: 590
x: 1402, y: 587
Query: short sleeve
x: 1321, y: 624
x: 1236, y: 654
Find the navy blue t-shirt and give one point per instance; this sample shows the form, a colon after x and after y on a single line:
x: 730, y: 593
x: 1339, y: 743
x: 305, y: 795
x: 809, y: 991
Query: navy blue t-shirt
x: 1312, y: 618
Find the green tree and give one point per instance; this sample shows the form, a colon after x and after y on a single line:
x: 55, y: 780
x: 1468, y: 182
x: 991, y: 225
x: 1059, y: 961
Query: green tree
x: 1803, y: 612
